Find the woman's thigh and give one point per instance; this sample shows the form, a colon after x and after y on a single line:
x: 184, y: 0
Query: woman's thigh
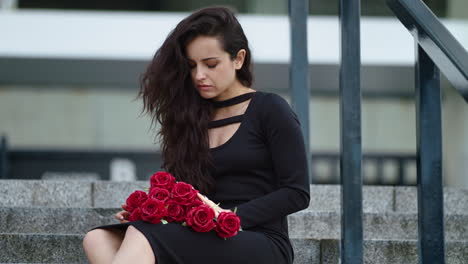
x: 135, y: 247
x: 173, y: 243
x: 99, y: 239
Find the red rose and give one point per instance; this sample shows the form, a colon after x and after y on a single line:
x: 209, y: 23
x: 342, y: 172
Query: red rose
x: 162, y: 179
x: 201, y: 218
x: 195, y: 203
x: 135, y: 215
x: 227, y: 225
x: 184, y: 193
x: 175, y: 212
x: 135, y: 200
x: 159, y: 194
x: 153, y: 211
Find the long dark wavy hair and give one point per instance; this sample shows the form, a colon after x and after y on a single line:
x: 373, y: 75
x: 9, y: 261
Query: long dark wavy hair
x: 170, y: 97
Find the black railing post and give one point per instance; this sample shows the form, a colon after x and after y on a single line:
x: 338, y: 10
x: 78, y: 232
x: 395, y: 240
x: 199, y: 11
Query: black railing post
x: 299, y: 67
x: 429, y: 160
x: 351, y: 146
x: 3, y: 158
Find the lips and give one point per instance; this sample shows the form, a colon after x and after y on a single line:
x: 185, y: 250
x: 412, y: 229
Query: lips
x: 204, y: 87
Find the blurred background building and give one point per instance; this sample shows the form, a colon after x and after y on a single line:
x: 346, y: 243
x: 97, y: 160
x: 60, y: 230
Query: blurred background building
x: 69, y: 74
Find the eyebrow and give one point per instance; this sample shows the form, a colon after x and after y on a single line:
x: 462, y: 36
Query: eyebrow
x: 205, y: 59
x: 210, y: 58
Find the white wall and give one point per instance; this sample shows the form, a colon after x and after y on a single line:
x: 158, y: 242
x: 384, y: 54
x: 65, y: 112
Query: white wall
x: 60, y: 117
x: 85, y: 117
x: 455, y: 135
x: 136, y: 36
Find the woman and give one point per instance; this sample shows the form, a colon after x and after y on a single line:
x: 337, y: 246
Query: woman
x: 240, y: 147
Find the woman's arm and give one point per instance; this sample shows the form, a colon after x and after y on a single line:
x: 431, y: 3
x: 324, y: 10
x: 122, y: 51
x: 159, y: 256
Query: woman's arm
x: 286, y: 144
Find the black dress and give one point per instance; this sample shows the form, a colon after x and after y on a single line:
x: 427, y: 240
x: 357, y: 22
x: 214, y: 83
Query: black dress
x: 261, y: 170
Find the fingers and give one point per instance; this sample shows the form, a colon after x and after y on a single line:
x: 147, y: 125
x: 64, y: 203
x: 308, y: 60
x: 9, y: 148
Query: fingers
x: 210, y: 203
x: 206, y: 200
x: 201, y: 197
x: 122, y: 215
x: 118, y: 215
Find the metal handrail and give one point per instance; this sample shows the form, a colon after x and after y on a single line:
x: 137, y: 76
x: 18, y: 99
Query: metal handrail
x: 436, y: 51
x: 441, y: 46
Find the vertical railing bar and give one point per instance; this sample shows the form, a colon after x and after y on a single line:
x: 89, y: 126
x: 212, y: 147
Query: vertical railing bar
x: 299, y: 67
x: 3, y: 157
x: 335, y: 175
x: 429, y: 160
x: 401, y: 171
x: 350, y: 141
x: 379, y: 171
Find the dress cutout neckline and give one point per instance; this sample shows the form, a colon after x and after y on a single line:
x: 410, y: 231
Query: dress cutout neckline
x: 234, y: 100
x: 233, y: 119
x: 226, y: 121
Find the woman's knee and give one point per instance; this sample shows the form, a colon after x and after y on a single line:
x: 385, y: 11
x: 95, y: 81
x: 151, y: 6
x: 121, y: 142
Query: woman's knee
x: 137, y: 243
x: 92, y: 238
x: 134, y: 233
x: 136, y: 237
x: 97, y: 237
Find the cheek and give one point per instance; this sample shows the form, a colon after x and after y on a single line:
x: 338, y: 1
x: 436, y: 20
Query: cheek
x: 226, y: 74
x: 192, y: 74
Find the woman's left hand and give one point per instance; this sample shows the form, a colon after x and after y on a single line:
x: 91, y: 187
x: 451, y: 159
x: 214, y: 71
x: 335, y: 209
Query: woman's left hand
x: 211, y: 204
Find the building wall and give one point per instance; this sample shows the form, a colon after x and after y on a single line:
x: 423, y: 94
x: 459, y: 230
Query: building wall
x: 97, y: 118
x: 105, y: 118
x: 455, y: 135
x: 60, y: 117
x: 457, y: 9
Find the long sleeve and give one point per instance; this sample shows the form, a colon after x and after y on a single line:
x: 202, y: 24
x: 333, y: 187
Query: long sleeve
x: 285, y: 141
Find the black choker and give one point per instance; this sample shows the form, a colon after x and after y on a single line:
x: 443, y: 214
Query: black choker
x: 234, y: 100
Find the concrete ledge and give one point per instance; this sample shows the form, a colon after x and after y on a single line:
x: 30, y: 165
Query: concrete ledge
x: 108, y: 194
x: 323, y: 197
x: 327, y: 225
x: 455, y: 200
x: 54, y: 220
x: 305, y: 224
x: 34, y: 248
x: 393, y: 252
x: 38, y: 248
x: 328, y: 198
x: 306, y: 251
x: 45, y: 193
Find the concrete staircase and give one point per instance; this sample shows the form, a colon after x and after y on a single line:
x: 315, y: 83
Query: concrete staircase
x: 45, y: 221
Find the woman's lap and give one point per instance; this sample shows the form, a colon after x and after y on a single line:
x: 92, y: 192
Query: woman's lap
x: 174, y: 243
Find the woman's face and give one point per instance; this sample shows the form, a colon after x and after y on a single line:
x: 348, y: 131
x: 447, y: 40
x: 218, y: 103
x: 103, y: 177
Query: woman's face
x: 213, y: 72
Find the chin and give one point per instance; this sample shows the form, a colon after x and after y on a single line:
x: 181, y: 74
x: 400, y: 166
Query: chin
x: 206, y: 95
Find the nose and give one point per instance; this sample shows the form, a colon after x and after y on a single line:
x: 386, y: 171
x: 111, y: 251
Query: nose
x: 199, y: 74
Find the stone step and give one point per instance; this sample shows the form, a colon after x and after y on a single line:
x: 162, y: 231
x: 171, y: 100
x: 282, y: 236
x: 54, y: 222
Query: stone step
x: 327, y: 225
x: 60, y: 248
x: 305, y: 224
x: 388, y: 251
x: 107, y: 194
x: 54, y: 220
x: 41, y: 248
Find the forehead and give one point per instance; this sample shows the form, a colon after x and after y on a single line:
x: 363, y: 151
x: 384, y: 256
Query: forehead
x: 204, y: 47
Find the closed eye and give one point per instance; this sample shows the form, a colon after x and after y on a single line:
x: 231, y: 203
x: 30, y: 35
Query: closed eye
x: 192, y: 65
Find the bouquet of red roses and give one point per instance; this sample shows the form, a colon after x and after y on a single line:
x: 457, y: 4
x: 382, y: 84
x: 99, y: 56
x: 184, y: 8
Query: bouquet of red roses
x: 171, y: 201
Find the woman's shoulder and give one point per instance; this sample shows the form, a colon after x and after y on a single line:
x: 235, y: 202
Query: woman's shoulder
x: 272, y: 103
x: 273, y: 108
x: 270, y: 100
